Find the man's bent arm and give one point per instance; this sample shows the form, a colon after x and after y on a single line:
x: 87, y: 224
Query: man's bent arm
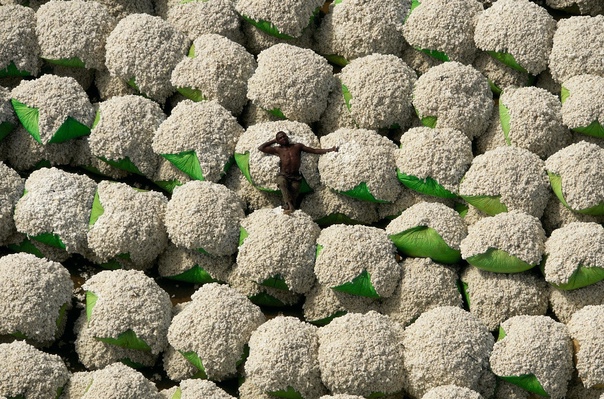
x: 318, y: 150
x: 267, y: 147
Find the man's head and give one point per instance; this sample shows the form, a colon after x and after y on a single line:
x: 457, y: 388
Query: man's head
x: 282, y: 138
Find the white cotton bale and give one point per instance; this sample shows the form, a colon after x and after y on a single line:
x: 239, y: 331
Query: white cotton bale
x: 456, y: 96
x: 424, y: 285
x: 95, y: 354
x: 357, y: 28
x: 195, y: 388
x: 377, y: 90
x: 574, y: 255
x: 557, y: 215
x: 122, y: 8
x: 499, y: 74
x: 84, y: 77
x: 213, y: 329
x: 506, y: 179
x: 531, y: 118
x: 576, y: 390
x: 337, y: 114
x: 523, y: 294
x: 363, y: 167
x: 583, y: 7
x: 122, y: 303
x: 11, y: 189
x: 508, y: 242
x: 361, y: 354
x: 253, y: 115
x: 284, y: 358
x: 576, y: 42
x: 283, y: 19
x: 261, y: 295
x: 53, y: 109
x: 584, y: 329
x: 433, y: 155
x: 252, y: 197
x: 128, y: 224
x: 262, y: 169
x: 135, y: 55
x: 111, y: 86
x: 447, y: 345
x: 81, y: 157
x: 451, y: 392
x: 327, y: 207
x: 507, y: 390
x: 204, y: 216
x: 278, y: 249
x: 56, y: 208
x: 35, y: 298
x: 517, y: 32
x: 217, y: 68
x: 188, y: 265
x: 492, y: 138
x: 444, y: 29
x: 8, y: 119
x: 322, y: 305
x: 39, y: 375
x: 197, y: 18
x: 20, y: 51
x: 537, y: 347
x: 176, y: 366
x: 575, y: 175
x: 284, y: 69
x: 19, y: 242
x: 118, y: 381
x: 430, y: 230
x: 199, y: 139
x: 24, y: 153
x: 77, y: 384
x: 358, y: 260
x: 123, y: 132
x: 582, y: 105
x: 565, y: 303
x: 73, y: 33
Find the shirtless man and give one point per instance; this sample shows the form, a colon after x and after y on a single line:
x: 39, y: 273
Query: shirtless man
x: 290, y: 154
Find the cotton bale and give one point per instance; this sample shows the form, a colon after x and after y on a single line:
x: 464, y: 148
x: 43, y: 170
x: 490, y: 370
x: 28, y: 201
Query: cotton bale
x: 11, y: 189
x: 196, y: 18
x: 19, y: 55
x: 328, y: 207
x: 582, y: 104
x: 584, y: 329
x: 322, y: 305
x: 118, y: 381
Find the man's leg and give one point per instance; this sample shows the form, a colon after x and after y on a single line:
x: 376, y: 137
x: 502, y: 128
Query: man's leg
x: 295, y: 191
x: 284, y: 186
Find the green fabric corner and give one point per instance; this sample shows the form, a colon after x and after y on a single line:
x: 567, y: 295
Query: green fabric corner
x: 361, y: 285
x: 464, y: 290
x: 277, y: 113
x: 191, y: 53
x: 178, y: 393
x: 6, y: 128
x: 168, y: 185
x: 505, y: 120
x: 336, y: 59
x: 96, y: 211
x: 243, y: 162
x: 97, y: 119
x: 128, y: 340
x: 494, y: 88
x: 132, y: 83
x: 70, y: 129
x: 243, y: 234
x: 187, y: 162
x: 361, y: 191
x: 564, y: 94
x: 288, y: 393
x: 336, y: 218
x: 267, y: 27
x: 91, y: 299
x: 192, y: 94
x: 132, y: 364
x: 556, y: 184
x: 50, y: 239
x: 429, y: 121
x: 194, y: 359
x: 195, y: 275
x: 318, y: 250
x: 507, y: 59
x: 73, y: 62
x: 425, y: 242
x: 326, y: 320
x: 489, y: 204
x: 427, y: 186
x: 436, y: 54
x: 62, y: 315
x: 26, y: 246
x: 12, y: 70
x: 28, y: 116
x: 528, y: 382
x: 499, y: 261
x: 501, y: 334
x: 264, y: 299
x: 582, y: 277
x: 123, y: 164
x: 277, y: 282
x: 347, y: 95
x: 461, y: 208
x: 594, y: 129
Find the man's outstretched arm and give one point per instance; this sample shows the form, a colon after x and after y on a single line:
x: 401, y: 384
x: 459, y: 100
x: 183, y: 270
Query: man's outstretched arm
x: 267, y: 147
x: 318, y: 150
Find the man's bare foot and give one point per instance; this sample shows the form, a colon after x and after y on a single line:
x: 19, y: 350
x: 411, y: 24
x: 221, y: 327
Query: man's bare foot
x: 287, y: 211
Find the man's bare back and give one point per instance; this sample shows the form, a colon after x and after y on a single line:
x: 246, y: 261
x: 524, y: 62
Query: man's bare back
x: 290, y: 159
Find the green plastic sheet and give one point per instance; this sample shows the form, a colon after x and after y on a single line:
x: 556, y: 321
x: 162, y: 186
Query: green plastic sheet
x: 277, y: 282
x: 243, y: 234
x: 187, y: 162
x: 505, y: 120
x: 507, y: 59
x: 194, y: 359
x: 277, y: 113
x: 91, y: 299
x: 464, y: 290
x: 425, y: 242
x: 499, y: 261
x: 427, y: 186
x: 337, y: 59
x: 168, y: 185
x: 123, y: 164
x: 556, y: 183
x: 336, y: 218
x: 192, y: 94
x: 436, y: 54
x: 362, y: 192
x: 489, y: 204
x: 326, y: 320
x: 267, y: 27
x: 6, y: 128
x: 264, y: 299
x: 347, y: 95
x: 73, y: 62
x: 12, y: 70
x: 429, y: 121
x: 128, y: 340
x: 360, y: 285
x: 178, y: 392
x: 49, y: 239
x: 195, y: 275
x: 96, y: 211
x: 26, y: 246
x: 29, y: 117
x: 582, y: 277
x: 288, y: 393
